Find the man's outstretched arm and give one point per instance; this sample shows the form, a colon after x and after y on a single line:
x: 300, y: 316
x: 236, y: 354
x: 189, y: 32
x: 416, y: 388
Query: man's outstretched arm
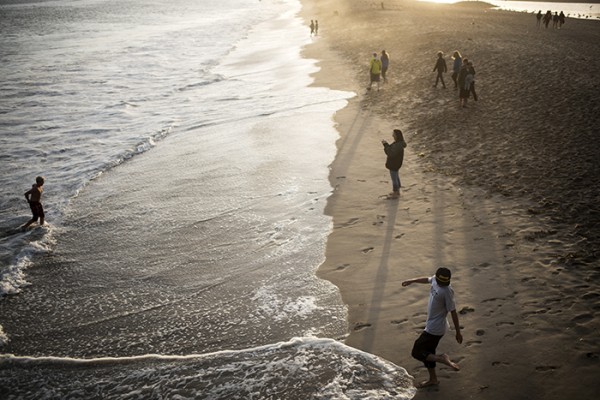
x: 415, y: 280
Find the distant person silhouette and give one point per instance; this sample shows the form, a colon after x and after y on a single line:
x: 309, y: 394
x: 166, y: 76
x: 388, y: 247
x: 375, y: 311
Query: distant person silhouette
x: 547, y: 18
x: 538, y: 16
x: 34, y: 198
x: 465, y: 78
x: 555, y: 19
x: 456, y: 67
x: 441, y: 68
x: 472, y: 72
x: 316, y: 27
x: 374, y: 71
x: 385, y: 63
x: 312, y: 27
x: 561, y: 19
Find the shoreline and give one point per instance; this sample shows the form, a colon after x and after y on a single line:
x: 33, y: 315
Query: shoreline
x: 525, y: 289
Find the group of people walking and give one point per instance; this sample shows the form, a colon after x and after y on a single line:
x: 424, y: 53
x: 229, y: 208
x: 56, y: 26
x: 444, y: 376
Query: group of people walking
x: 314, y: 27
x: 463, y: 76
x: 557, y: 19
x: 378, y: 67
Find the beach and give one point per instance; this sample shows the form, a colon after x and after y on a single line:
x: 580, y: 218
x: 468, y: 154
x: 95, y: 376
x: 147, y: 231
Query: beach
x: 505, y: 192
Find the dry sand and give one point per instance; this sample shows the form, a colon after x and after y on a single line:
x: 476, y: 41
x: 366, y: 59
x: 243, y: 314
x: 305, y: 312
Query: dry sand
x: 505, y: 192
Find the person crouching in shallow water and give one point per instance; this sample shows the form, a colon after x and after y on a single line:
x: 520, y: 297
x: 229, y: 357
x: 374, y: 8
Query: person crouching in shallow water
x: 441, y: 302
x: 394, y: 160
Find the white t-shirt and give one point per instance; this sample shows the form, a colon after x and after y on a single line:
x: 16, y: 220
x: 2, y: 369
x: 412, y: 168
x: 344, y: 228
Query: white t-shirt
x: 441, y: 302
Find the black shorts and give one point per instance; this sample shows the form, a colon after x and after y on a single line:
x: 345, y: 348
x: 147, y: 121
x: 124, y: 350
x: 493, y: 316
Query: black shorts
x: 36, y: 209
x: 425, y: 345
x: 374, y: 77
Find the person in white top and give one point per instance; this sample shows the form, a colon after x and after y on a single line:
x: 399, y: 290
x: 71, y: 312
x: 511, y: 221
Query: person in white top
x: 441, y: 302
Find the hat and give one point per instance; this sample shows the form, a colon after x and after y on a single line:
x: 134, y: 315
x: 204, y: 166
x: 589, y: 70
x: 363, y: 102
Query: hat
x: 442, y: 276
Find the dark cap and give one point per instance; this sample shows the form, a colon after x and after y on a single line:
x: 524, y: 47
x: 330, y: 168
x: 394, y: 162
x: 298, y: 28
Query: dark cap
x: 442, y: 276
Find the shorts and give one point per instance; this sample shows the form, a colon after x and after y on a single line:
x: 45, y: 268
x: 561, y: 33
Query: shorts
x: 36, y: 209
x: 425, y: 345
x: 374, y: 77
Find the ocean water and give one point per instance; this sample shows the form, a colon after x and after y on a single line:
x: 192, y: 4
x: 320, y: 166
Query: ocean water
x: 186, y: 163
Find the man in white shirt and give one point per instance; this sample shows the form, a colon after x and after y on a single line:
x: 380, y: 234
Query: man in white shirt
x: 441, y: 302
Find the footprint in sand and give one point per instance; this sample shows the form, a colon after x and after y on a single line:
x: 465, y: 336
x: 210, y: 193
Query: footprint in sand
x: 544, y: 368
x: 473, y: 342
x: 480, y: 332
x: 367, y: 250
x: 502, y: 323
x: 582, y: 318
x: 399, y: 321
x: 500, y: 363
x: 399, y: 236
x: 380, y: 220
x: 342, y: 267
x: 359, y: 326
x: 350, y: 222
x: 466, y: 310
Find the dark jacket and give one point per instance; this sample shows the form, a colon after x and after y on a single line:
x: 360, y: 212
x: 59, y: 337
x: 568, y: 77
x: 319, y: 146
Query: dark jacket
x: 440, y: 65
x: 395, y: 155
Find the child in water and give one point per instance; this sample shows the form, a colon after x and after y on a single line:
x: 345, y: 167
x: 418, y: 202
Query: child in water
x: 34, y: 197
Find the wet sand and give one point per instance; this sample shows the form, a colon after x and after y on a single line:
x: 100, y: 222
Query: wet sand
x: 504, y: 192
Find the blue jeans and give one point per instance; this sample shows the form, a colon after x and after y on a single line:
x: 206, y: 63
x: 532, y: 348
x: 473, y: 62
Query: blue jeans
x: 395, y: 180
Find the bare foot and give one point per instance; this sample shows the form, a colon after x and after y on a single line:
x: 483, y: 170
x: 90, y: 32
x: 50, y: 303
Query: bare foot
x: 446, y: 360
x: 426, y: 384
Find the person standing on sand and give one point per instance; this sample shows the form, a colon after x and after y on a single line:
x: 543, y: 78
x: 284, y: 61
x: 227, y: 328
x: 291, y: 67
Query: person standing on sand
x: 34, y: 197
x: 374, y: 71
x: 547, y: 18
x: 456, y: 67
x: 385, y: 63
x: 538, y: 16
x: 555, y: 19
x: 441, y: 68
x: 471, y: 70
x: 394, y: 160
x: 464, y: 83
x: 561, y: 19
x: 316, y: 27
x: 441, y: 302
x: 312, y: 27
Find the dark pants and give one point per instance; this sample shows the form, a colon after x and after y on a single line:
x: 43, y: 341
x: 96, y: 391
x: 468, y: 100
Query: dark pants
x: 425, y: 345
x: 472, y: 91
x: 439, y: 77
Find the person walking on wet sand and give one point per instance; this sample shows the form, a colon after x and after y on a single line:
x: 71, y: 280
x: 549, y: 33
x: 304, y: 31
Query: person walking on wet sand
x: 394, y: 160
x: 538, y: 16
x: 441, y: 302
x: 441, y: 68
x: 456, y: 67
x: 34, y: 198
x: 374, y: 71
x: 312, y: 27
